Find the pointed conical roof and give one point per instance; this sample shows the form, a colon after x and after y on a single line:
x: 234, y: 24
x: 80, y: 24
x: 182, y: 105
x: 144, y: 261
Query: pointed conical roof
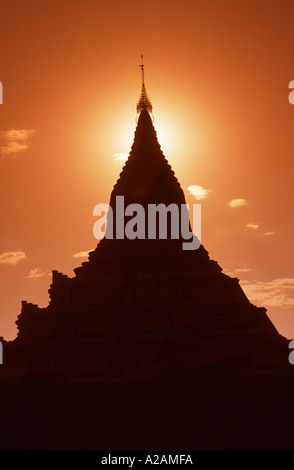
x: 147, y: 177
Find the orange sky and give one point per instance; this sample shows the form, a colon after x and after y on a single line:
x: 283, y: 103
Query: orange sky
x: 217, y: 74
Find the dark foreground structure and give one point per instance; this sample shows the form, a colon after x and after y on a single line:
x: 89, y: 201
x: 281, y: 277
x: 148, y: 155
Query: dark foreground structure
x: 148, y: 346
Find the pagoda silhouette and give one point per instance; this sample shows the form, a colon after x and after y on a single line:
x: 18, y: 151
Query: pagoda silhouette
x: 145, y: 335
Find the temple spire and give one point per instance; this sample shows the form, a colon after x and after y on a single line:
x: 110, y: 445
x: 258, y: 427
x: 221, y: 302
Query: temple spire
x: 144, y: 103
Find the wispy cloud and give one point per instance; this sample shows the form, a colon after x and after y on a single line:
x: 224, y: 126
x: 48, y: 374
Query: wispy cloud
x: 14, y: 141
x: 242, y: 270
x: 82, y: 254
x: 268, y: 234
x: 275, y: 293
x: 12, y: 257
x: 120, y: 156
x: 198, y: 192
x: 233, y: 272
x: 36, y: 273
x: 238, y: 203
x: 252, y: 226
